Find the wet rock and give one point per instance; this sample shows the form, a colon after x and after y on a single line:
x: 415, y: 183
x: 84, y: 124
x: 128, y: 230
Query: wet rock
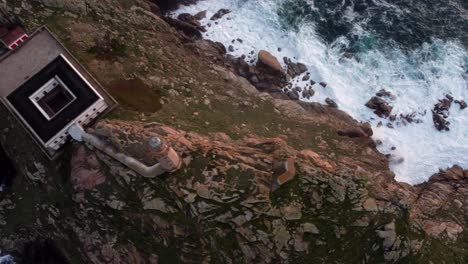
x: 440, y: 122
x: 443, y: 105
x: 306, y: 77
x: 220, y: 13
x: 231, y: 48
x: 410, y: 118
x: 461, y: 103
x: 323, y: 84
x: 347, y: 55
x: 385, y: 93
x: 381, y: 107
x: 440, y: 113
x: 200, y: 15
x: 331, y: 103
x: 367, y: 128
x: 294, y: 69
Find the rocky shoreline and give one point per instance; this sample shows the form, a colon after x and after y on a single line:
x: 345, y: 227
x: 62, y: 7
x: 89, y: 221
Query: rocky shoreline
x: 342, y: 205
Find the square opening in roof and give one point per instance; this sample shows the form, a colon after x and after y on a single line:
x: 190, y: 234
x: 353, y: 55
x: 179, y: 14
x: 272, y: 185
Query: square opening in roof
x: 52, y: 98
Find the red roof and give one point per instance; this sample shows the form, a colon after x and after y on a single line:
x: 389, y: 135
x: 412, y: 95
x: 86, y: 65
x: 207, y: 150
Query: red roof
x: 13, y: 35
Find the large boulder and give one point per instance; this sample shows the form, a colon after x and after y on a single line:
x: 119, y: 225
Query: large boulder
x: 269, y: 62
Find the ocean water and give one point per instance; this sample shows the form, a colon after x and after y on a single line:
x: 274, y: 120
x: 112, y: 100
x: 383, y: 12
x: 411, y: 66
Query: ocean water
x: 415, y: 50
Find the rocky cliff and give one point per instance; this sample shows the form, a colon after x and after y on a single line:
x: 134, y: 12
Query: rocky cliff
x: 233, y: 128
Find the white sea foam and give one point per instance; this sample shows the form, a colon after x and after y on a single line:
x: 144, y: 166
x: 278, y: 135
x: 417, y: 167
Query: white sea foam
x: 417, y: 81
x: 7, y: 259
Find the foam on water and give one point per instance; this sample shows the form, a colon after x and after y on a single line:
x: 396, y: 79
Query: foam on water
x: 417, y: 80
x: 7, y: 259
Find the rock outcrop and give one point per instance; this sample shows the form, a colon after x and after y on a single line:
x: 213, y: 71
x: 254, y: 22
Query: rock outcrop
x: 380, y: 106
x: 440, y: 113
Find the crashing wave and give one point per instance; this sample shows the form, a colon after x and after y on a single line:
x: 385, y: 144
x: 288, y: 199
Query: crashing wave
x: 357, y: 61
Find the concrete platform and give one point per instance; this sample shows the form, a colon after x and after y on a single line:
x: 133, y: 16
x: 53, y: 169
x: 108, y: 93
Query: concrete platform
x: 20, y: 74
